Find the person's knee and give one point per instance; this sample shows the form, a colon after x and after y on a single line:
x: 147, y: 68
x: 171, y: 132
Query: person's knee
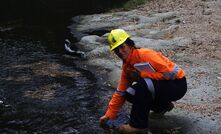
x: 129, y: 94
x: 129, y: 97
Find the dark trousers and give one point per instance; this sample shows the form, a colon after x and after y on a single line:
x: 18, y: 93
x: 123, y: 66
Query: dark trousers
x: 142, y: 101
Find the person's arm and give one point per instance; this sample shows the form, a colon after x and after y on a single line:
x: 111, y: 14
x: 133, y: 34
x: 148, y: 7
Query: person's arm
x: 118, y: 99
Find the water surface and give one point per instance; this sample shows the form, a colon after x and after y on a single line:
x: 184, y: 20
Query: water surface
x: 41, y: 89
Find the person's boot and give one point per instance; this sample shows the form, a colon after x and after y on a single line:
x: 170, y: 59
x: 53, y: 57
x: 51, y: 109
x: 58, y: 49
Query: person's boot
x: 128, y: 129
x: 158, y: 115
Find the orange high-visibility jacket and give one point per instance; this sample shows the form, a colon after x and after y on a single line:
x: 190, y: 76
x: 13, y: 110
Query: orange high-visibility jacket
x: 164, y: 69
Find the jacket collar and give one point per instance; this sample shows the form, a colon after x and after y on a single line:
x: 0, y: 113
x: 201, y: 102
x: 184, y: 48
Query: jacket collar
x: 127, y: 61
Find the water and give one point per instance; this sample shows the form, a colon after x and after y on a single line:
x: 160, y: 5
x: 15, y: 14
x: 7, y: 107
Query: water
x: 41, y: 89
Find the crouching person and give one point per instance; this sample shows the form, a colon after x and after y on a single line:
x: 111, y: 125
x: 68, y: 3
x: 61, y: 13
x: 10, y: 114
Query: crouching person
x: 149, y: 80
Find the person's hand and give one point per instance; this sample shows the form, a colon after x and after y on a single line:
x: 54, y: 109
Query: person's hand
x: 103, y: 120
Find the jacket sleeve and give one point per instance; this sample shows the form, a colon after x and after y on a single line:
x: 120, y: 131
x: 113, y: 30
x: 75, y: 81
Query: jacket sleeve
x: 118, y: 99
x: 114, y: 105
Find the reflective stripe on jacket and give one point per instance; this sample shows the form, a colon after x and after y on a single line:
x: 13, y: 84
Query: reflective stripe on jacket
x: 164, y: 70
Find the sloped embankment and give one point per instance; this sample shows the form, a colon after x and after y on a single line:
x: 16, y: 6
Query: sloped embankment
x: 199, y: 111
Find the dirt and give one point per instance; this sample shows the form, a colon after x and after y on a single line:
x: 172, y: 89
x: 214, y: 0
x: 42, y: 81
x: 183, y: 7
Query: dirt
x: 201, y: 21
x: 199, y: 112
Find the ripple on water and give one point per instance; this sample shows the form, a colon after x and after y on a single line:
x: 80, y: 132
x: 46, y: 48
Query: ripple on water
x: 45, y: 94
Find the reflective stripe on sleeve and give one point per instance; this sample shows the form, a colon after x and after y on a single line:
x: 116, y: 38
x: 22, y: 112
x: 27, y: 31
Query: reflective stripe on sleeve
x: 121, y: 93
x: 150, y: 86
x: 130, y: 91
x: 173, y: 74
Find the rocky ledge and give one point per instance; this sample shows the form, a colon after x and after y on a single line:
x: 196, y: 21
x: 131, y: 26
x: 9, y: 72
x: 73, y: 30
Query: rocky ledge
x: 152, y: 31
x: 161, y: 32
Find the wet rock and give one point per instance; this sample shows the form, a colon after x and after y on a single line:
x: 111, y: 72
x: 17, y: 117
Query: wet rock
x: 90, y: 42
x: 70, y: 130
x: 102, y: 51
x: 114, y: 77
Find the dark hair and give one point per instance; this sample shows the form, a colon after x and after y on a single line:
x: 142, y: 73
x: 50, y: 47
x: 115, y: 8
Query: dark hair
x: 130, y: 42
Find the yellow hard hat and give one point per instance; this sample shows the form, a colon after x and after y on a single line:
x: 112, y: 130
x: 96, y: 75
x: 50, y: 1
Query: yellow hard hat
x: 117, y: 37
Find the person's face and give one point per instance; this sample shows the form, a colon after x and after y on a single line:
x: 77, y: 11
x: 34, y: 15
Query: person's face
x: 122, y: 51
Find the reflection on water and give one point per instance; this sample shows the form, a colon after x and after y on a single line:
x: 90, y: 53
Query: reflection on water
x: 44, y: 92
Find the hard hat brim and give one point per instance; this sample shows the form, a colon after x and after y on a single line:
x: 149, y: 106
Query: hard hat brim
x: 117, y: 44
